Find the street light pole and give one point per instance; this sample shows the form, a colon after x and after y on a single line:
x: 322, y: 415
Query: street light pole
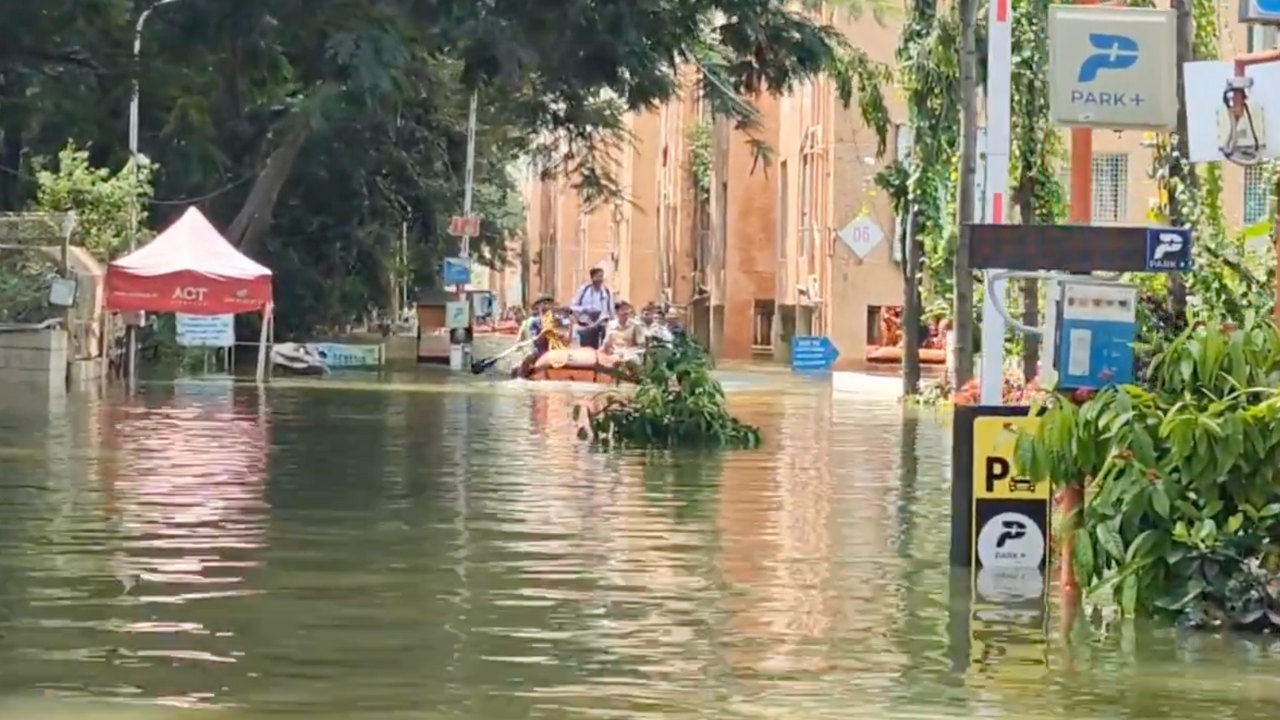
x: 460, y: 351
x: 135, y: 162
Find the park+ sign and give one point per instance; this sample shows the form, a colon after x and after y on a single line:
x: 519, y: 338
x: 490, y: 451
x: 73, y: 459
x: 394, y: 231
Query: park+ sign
x: 457, y: 271
x: 1113, y: 67
x: 1260, y: 12
x: 812, y: 353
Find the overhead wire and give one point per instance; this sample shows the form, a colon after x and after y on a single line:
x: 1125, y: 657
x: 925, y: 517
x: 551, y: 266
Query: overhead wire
x: 178, y: 201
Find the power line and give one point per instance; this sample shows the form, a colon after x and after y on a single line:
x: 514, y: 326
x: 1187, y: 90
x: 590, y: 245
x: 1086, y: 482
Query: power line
x: 152, y: 201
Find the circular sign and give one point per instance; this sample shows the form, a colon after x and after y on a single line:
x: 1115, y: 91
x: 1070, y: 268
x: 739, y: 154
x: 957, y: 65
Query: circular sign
x: 1011, y: 540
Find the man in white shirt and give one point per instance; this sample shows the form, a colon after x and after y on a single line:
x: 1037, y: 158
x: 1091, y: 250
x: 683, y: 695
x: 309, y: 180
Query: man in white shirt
x: 593, y: 307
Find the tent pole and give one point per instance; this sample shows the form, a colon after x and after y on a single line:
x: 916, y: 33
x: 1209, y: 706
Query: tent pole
x: 271, y: 342
x: 262, y: 344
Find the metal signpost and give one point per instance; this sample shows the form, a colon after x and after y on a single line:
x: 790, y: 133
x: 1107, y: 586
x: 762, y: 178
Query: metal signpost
x: 465, y: 227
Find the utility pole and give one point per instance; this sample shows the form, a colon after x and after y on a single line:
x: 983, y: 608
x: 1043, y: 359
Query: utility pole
x: 136, y: 163
x: 912, y: 311
x: 966, y: 200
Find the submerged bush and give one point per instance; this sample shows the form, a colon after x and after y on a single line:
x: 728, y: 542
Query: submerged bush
x: 1182, y: 510
x: 676, y: 404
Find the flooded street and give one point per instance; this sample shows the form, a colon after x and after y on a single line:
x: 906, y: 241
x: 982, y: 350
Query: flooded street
x: 432, y: 549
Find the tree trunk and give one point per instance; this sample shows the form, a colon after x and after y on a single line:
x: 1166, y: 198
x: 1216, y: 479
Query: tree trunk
x: 911, y: 310
x: 12, y: 122
x: 1030, y: 290
x: 254, y: 219
x: 966, y: 202
x: 1181, y: 171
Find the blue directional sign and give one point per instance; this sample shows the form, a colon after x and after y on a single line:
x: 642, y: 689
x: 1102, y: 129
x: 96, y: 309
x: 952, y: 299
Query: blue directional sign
x: 812, y: 353
x: 457, y: 271
x: 1168, y: 249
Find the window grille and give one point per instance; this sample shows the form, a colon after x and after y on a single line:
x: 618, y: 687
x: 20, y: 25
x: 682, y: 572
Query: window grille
x: 1257, y: 194
x: 1110, y: 187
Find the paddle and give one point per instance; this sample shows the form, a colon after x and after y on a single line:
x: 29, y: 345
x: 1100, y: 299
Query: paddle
x: 480, y: 366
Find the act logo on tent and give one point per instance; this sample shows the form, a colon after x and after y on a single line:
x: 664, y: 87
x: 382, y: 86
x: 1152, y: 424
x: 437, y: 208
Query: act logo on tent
x: 191, y: 294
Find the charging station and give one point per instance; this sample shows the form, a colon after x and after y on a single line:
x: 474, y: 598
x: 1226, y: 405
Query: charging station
x: 1096, y: 335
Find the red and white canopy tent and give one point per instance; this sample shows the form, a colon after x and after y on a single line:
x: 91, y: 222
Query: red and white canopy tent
x: 191, y: 268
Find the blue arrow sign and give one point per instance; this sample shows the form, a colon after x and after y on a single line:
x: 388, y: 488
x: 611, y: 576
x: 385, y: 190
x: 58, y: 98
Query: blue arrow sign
x: 457, y: 271
x: 812, y: 353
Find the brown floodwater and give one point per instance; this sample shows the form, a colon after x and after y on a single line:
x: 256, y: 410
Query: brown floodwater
x: 415, y: 547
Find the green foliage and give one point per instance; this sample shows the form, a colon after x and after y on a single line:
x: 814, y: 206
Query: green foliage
x: 700, y: 162
x: 676, y: 404
x: 1182, y: 512
x: 24, y: 287
x: 1037, y: 150
x: 929, y: 74
x: 312, y: 133
x: 105, y: 203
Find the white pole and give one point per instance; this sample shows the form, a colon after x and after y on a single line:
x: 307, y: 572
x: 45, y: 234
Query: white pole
x: 134, y: 159
x: 459, y: 355
x: 470, y: 179
x: 999, y: 79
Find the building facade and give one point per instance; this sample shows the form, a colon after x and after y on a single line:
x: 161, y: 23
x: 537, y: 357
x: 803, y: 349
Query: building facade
x: 750, y: 252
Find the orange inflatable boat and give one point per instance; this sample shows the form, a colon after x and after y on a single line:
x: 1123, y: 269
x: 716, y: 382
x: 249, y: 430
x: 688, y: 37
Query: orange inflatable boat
x: 575, y: 364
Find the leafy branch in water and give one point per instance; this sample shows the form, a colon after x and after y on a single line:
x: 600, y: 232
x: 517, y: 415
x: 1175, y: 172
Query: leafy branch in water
x: 1182, y: 512
x: 676, y: 404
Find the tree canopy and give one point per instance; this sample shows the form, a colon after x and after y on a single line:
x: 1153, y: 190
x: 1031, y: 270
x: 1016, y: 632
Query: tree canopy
x: 315, y: 133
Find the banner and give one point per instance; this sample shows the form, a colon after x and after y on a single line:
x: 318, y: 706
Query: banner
x: 347, y: 356
x: 208, y: 331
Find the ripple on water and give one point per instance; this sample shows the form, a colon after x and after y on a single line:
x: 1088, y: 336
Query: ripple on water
x: 365, y: 550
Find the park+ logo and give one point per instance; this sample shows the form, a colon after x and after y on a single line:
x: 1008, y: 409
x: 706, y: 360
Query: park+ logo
x: 1010, y: 540
x: 1168, y: 250
x: 1118, y: 52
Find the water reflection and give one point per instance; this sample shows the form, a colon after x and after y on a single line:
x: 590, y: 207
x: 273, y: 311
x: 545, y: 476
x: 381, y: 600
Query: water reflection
x: 346, y: 552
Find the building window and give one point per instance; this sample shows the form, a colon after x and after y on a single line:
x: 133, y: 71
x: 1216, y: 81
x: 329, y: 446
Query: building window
x: 762, y: 326
x: 1262, y: 37
x: 1257, y: 195
x: 1110, y: 187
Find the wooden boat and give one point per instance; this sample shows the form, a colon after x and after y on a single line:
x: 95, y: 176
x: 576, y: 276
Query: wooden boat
x: 576, y: 365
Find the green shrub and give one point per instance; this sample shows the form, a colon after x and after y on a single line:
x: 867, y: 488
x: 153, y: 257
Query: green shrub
x: 1182, y: 510
x: 676, y: 403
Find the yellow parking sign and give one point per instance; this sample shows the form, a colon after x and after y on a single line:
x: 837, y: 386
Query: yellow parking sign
x: 995, y: 473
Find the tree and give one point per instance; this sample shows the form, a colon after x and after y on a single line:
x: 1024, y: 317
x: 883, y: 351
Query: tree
x: 313, y: 132
x: 104, y: 203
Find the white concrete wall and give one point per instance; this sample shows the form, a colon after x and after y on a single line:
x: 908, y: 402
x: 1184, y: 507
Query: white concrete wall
x: 37, y: 358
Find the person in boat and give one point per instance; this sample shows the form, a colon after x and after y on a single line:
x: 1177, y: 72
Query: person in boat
x: 541, y: 329
x: 593, y: 308
x: 540, y: 306
x: 656, y: 330
x: 625, y: 335
x: 671, y: 323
